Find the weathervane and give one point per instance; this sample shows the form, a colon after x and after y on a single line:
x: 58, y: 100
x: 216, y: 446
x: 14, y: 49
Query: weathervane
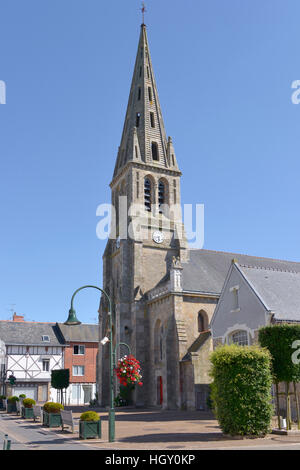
x: 143, y: 9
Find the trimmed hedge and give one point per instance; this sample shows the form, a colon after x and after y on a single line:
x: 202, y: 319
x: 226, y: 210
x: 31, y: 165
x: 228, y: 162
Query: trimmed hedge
x: 241, y: 389
x: 283, y: 343
x: 89, y: 416
x: 52, y: 407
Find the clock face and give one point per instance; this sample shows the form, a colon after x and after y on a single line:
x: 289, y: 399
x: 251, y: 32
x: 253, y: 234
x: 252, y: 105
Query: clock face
x: 158, y: 236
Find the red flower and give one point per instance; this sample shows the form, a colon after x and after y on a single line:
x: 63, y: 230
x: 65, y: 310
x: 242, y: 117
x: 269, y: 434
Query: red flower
x: 128, y: 371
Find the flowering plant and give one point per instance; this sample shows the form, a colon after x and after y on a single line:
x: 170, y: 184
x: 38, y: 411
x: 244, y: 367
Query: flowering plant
x: 128, y: 371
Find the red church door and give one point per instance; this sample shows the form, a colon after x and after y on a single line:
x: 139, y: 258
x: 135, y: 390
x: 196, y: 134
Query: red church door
x: 159, y: 390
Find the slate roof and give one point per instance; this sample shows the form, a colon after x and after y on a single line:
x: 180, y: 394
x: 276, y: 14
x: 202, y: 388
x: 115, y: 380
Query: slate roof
x: 83, y: 333
x: 197, y: 344
x: 203, y: 336
x: 279, y: 291
x: 29, y: 333
x: 206, y: 270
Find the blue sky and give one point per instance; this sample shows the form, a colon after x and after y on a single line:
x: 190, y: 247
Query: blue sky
x: 224, y: 71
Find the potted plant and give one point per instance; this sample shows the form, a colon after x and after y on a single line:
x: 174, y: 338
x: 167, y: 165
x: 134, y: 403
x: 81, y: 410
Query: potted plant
x: 51, y: 414
x: 89, y: 425
x: 2, y: 397
x: 11, y: 404
x: 27, y: 410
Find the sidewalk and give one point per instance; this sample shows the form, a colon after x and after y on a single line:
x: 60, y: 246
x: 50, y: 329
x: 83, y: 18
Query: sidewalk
x: 138, y: 430
x: 30, y: 435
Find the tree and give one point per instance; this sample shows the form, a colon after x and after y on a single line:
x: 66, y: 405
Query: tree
x: 280, y: 341
x: 60, y: 379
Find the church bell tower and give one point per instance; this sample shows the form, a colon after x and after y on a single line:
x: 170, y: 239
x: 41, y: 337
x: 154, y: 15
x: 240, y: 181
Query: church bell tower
x: 147, y: 230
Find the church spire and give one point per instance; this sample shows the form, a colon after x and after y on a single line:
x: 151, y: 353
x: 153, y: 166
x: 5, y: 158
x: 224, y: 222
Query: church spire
x: 144, y: 137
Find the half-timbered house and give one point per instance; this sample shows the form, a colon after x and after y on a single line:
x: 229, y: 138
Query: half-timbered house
x: 33, y: 350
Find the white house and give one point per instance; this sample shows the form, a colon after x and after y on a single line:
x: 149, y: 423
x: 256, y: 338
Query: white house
x: 255, y: 296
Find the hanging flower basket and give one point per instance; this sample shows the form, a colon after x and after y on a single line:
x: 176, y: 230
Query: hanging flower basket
x: 129, y: 371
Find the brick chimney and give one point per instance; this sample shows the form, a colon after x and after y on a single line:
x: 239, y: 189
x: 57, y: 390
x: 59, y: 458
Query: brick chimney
x: 18, y: 317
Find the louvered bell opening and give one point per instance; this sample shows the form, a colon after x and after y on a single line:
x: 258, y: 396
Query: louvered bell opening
x: 161, y: 196
x: 147, y: 195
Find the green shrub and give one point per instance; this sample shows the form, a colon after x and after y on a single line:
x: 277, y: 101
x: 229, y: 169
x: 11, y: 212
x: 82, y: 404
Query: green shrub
x: 52, y: 407
x: 13, y: 399
x: 2, y: 397
x: 28, y: 402
x: 241, y: 389
x: 89, y: 416
x: 22, y: 395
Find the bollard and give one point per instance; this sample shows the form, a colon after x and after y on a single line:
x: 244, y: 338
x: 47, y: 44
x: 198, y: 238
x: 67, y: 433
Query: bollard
x: 6, y: 443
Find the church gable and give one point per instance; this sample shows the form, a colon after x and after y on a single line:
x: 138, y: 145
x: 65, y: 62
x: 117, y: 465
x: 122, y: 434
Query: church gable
x: 240, y: 308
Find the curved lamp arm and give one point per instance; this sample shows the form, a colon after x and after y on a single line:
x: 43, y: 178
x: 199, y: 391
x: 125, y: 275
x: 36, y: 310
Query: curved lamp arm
x: 72, y: 319
x: 115, y: 351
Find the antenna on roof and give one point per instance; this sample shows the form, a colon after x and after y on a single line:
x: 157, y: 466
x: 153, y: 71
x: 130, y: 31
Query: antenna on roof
x: 12, y: 309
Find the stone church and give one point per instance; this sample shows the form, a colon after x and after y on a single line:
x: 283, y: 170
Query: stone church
x: 164, y: 293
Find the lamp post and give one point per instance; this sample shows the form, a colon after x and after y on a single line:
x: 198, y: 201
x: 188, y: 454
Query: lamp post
x: 72, y: 320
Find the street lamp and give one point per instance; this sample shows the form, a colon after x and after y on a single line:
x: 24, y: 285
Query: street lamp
x: 72, y: 320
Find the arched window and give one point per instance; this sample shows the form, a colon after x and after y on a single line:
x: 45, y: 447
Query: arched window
x: 240, y: 337
x: 154, y: 149
x: 202, y: 321
x: 147, y: 194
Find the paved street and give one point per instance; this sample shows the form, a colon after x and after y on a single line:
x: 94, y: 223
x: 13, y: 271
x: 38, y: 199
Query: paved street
x: 27, y: 435
x: 139, y: 430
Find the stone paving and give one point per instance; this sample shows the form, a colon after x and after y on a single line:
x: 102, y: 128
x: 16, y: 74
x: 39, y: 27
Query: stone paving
x: 138, y: 430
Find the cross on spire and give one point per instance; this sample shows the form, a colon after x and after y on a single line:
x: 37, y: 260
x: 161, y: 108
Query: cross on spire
x: 143, y: 10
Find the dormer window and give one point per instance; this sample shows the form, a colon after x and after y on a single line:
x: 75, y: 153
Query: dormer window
x: 46, y: 339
